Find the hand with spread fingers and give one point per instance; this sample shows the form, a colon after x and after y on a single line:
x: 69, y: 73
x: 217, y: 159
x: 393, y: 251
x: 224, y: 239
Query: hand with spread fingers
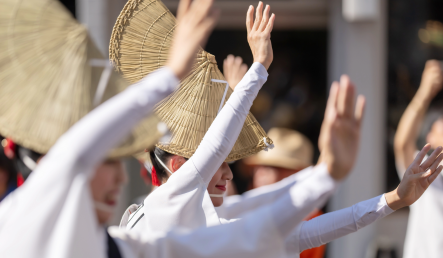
x: 195, y: 21
x: 416, y: 179
x: 340, y: 131
x: 234, y: 70
x: 259, y: 34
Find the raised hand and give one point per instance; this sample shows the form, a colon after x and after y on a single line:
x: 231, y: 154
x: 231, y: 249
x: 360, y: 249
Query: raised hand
x: 195, y: 21
x: 340, y: 132
x: 234, y: 69
x: 416, y: 179
x: 432, y: 79
x: 259, y: 34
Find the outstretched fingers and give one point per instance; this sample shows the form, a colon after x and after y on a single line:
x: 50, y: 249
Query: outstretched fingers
x: 420, y: 156
x: 432, y: 158
x: 265, y: 19
x: 430, y: 173
x: 346, y: 97
x: 183, y: 7
x: 436, y: 162
x: 270, y: 24
x: 250, y: 19
x: 333, y: 96
x: 258, y: 16
x: 202, y: 8
x: 360, y: 109
x: 435, y: 174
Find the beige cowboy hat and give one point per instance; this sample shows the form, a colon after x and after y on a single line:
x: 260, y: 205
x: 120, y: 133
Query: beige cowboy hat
x: 140, y: 44
x: 292, y: 150
x: 52, y: 75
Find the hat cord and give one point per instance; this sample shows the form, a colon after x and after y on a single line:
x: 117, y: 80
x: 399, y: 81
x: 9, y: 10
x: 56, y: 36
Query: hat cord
x: 268, y: 146
x: 163, y: 165
x: 104, y: 78
x: 224, y: 94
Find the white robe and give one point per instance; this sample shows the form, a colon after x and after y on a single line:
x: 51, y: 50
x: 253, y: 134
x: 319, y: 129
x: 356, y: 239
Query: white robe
x: 183, y: 203
x: 52, y: 214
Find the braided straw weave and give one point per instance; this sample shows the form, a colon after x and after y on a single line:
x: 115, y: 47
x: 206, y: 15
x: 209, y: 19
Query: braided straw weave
x: 140, y: 44
x: 47, y: 82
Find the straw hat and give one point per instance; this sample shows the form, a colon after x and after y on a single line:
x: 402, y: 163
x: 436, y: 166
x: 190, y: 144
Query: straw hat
x: 292, y: 151
x: 52, y: 75
x: 140, y: 44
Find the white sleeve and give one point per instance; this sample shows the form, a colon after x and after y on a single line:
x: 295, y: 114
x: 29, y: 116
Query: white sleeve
x: 250, y: 238
x: 169, y: 205
x: 237, y: 205
x: 223, y: 132
x: 333, y: 225
x: 261, y: 233
x: 302, y: 199
x: 58, y: 192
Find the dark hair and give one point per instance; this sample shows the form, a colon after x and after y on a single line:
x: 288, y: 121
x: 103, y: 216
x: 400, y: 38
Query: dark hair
x: 164, y: 157
x: 8, y: 166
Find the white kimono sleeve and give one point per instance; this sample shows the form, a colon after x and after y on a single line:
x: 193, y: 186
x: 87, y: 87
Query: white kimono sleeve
x: 183, y: 200
x: 52, y: 214
x: 333, y: 225
x: 260, y: 234
x: 237, y: 205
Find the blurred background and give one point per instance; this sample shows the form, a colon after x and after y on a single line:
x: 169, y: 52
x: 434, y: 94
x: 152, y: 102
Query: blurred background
x: 381, y: 44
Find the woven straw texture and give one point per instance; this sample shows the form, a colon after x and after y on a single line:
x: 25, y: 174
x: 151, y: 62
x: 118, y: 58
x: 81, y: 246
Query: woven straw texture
x: 47, y: 82
x: 140, y: 44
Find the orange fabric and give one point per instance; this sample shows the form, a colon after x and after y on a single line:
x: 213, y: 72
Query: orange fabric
x: 317, y: 252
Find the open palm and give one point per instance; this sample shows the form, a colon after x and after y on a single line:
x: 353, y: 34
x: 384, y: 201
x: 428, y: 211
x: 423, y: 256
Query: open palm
x: 419, y: 176
x: 340, y: 132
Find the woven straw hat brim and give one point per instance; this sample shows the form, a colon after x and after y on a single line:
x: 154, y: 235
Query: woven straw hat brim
x: 140, y: 44
x: 277, y: 161
x: 47, y: 81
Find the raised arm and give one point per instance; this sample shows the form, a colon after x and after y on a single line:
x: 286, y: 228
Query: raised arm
x: 328, y: 227
x: 58, y: 192
x: 410, y: 123
x: 224, y: 131
x: 333, y: 225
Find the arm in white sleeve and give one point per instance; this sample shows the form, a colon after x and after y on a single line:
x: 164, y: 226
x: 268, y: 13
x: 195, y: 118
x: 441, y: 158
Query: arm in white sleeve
x: 333, y: 225
x: 169, y: 206
x: 224, y: 131
x: 261, y: 233
x: 237, y: 205
x: 58, y: 192
x: 89, y: 140
x: 302, y: 199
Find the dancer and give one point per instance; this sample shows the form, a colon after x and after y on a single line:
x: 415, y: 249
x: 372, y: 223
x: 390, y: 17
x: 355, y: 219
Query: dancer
x: 63, y: 222
x: 423, y: 238
x: 181, y: 202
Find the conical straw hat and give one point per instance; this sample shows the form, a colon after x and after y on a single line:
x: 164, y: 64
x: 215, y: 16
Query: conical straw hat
x: 140, y: 44
x: 49, y: 74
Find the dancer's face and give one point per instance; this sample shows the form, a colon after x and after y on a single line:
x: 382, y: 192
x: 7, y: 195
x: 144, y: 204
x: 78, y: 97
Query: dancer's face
x: 219, y: 182
x: 105, y: 187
